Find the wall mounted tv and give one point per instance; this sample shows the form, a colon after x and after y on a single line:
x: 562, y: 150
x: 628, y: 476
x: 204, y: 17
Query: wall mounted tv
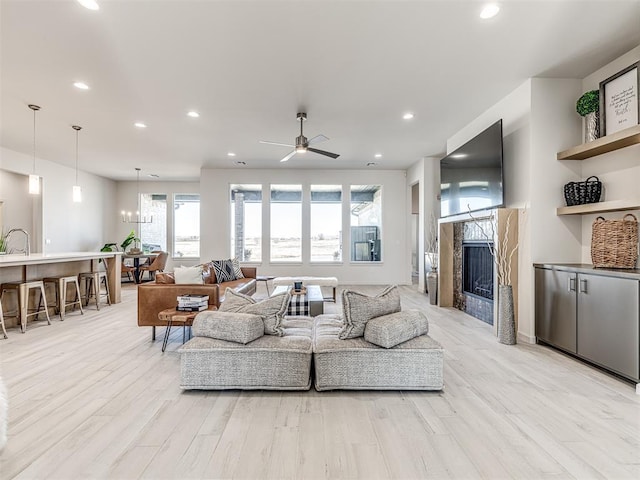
x: 471, y: 177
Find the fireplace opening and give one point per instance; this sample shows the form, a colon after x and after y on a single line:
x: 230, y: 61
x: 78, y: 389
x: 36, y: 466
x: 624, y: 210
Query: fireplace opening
x: 477, y: 270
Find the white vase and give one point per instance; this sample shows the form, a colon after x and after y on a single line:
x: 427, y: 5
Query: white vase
x: 506, y: 318
x: 591, y: 126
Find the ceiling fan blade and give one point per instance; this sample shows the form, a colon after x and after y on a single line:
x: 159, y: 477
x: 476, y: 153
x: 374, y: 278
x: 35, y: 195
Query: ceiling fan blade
x: 317, y: 139
x: 276, y: 143
x: 288, y: 156
x: 323, y: 152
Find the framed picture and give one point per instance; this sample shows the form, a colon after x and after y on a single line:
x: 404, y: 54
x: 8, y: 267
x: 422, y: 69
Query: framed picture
x: 362, y: 252
x: 619, y: 106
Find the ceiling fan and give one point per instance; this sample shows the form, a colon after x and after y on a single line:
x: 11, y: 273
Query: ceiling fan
x: 302, y: 143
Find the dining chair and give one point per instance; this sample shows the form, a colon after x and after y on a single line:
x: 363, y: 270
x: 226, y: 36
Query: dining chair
x: 157, y: 265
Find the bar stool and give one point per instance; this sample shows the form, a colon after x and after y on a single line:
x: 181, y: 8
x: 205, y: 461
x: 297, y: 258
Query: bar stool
x: 60, y: 285
x: 4, y: 330
x: 93, y: 287
x: 22, y: 291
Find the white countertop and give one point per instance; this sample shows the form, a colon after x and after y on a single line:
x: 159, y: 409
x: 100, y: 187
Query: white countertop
x: 40, y: 258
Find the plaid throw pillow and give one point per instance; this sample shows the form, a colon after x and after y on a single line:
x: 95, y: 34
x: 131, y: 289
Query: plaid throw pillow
x: 224, y: 270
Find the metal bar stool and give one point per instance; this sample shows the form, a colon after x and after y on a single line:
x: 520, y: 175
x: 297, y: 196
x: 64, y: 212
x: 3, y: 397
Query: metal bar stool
x: 60, y: 285
x: 93, y: 287
x: 4, y: 330
x: 22, y: 291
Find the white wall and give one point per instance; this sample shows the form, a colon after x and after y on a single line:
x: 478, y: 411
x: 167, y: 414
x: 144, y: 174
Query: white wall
x: 126, y: 195
x: 619, y: 171
x: 61, y: 225
x: 396, y: 260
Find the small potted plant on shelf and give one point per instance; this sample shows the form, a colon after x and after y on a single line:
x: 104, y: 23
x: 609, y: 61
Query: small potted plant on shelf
x: 588, y: 106
x: 3, y: 242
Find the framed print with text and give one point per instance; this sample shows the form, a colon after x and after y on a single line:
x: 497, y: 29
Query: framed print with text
x: 619, y: 106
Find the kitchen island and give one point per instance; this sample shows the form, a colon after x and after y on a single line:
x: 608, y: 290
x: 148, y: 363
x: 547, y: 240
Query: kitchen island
x: 22, y: 268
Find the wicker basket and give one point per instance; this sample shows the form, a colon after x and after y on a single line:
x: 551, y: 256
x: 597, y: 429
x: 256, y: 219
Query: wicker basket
x: 614, y: 243
x: 579, y: 193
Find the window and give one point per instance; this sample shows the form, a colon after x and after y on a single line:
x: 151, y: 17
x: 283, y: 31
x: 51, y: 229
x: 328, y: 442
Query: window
x: 154, y: 235
x: 186, y: 225
x: 326, y: 223
x: 366, y: 222
x: 246, y: 222
x: 286, y: 223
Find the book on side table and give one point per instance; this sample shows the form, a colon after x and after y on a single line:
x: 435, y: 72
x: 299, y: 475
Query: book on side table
x: 192, y: 303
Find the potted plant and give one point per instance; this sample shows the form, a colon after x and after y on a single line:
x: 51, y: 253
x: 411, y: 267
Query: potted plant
x: 3, y: 242
x: 131, y: 238
x: 588, y: 106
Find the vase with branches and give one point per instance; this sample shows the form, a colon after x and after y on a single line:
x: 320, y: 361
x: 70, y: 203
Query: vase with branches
x: 431, y: 253
x: 502, y: 253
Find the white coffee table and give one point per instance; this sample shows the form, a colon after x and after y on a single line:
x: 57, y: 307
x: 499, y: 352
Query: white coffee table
x: 309, y: 304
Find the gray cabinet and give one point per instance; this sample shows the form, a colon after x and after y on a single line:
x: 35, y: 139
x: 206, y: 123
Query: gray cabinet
x: 594, y: 316
x: 556, y: 308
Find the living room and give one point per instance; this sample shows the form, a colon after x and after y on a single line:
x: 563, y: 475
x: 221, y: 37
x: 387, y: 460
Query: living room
x: 534, y: 95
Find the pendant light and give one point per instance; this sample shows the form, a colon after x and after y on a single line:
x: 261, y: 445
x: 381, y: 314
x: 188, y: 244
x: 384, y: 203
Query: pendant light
x: 77, y: 191
x: 126, y: 216
x: 34, y: 179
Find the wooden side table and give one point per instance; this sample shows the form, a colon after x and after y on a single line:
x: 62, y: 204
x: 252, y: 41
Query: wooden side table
x: 173, y: 316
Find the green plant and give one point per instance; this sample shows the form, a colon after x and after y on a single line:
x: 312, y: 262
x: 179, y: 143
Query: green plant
x: 129, y: 240
x: 588, y: 103
x: 108, y: 247
x: 3, y: 241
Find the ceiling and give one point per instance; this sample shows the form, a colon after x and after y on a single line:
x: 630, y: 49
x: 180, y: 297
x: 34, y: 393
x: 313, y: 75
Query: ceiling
x: 247, y: 67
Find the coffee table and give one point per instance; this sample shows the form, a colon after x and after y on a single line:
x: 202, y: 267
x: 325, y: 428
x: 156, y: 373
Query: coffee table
x: 309, y: 304
x: 173, y: 316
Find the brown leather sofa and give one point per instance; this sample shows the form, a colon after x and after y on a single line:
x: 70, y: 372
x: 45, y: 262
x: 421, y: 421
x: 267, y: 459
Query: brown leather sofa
x: 158, y: 296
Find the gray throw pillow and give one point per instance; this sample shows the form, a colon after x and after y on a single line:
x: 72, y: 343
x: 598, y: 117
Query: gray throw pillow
x: 359, y: 308
x: 229, y: 326
x: 271, y: 310
x: 390, y: 330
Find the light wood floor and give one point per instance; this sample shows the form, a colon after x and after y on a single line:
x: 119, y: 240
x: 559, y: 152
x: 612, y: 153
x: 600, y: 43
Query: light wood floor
x: 93, y: 397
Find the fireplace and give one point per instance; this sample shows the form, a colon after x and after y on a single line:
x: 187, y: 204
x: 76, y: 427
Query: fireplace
x: 477, y: 270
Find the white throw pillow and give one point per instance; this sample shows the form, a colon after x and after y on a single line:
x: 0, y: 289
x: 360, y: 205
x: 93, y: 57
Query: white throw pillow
x: 189, y: 275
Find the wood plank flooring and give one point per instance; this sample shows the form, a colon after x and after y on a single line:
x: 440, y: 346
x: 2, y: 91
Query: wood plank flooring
x: 93, y: 397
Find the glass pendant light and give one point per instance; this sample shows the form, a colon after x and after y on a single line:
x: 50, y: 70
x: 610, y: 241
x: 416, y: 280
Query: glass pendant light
x: 77, y: 191
x: 34, y: 179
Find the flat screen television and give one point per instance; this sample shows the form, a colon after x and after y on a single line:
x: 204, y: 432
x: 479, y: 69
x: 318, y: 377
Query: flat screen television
x: 471, y: 177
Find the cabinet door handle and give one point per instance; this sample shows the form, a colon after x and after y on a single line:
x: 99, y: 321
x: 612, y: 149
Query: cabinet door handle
x: 571, y: 284
x: 583, y: 286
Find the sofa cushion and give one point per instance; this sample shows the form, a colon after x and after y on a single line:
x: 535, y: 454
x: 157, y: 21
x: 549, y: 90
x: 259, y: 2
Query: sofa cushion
x: 231, y: 326
x: 390, y: 330
x: 208, y: 273
x: 188, y: 275
x: 224, y: 270
x: 272, y: 309
x: 359, y: 308
x: 237, y: 270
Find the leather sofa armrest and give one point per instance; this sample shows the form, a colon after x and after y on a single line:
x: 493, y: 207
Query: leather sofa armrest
x: 155, y: 297
x: 249, y: 272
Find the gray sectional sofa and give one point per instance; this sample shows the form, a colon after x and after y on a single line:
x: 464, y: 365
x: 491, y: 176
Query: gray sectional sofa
x: 285, y: 362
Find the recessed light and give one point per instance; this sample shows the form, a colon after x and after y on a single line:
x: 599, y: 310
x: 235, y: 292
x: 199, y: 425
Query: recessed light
x: 490, y: 10
x: 140, y: 125
x: 81, y: 85
x: 240, y: 162
x: 459, y: 155
x: 371, y: 164
x: 153, y: 175
x: 193, y: 114
x: 231, y: 154
x: 90, y: 4
x: 408, y: 116
x: 378, y: 155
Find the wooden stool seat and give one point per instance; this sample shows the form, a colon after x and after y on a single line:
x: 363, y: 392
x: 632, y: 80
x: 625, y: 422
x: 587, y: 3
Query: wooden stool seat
x: 22, y: 291
x: 60, y: 284
x: 93, y: 287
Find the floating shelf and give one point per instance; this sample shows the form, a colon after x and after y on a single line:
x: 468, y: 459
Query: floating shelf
x: 623, y: 138
x: 600, y: 207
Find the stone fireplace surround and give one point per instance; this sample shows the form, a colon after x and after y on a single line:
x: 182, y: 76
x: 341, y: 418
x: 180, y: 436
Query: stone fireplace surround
x: 452, y: 231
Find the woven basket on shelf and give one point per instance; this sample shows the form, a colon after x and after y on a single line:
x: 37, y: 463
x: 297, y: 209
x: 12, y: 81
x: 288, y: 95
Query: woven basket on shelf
x: 614, y: 243
x: 579, y: 193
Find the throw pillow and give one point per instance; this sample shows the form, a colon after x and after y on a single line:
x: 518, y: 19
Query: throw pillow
x: 236, y: 268
x: 230, y: 326
x: 188, y: 275
x: 390, y: 330
x: 272, y: 309
x: 224, y: 270
x: 359, y: 308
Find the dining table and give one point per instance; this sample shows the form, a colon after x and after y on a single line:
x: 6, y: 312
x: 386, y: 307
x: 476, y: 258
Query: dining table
x: 137, y: 273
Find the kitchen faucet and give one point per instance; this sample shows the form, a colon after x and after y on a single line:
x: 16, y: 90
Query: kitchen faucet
x: 27, y: 249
